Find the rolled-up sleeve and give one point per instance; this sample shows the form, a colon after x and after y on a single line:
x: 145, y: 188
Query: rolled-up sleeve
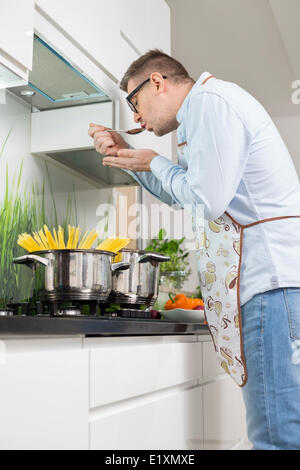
x: 217, y: 151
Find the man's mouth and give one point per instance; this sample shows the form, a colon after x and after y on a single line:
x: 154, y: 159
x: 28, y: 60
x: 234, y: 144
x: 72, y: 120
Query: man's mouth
x: 144, y: 126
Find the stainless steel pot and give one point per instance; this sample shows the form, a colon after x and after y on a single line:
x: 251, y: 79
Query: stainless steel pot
x: 139, y: 284
x: 74, y: 274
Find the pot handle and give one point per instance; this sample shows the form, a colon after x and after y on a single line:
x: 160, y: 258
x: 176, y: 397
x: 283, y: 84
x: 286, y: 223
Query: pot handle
x: 152, y: 257
x: 119, y: 267
x: 31, y: 260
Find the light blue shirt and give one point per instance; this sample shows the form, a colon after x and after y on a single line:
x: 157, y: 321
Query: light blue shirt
x: 236, y: 161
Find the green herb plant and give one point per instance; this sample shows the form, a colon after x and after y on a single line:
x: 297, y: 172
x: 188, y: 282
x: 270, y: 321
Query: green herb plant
x: 174, y: 272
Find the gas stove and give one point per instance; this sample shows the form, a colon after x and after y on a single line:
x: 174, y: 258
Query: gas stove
x: 89, y: 318
x: 77, y: 308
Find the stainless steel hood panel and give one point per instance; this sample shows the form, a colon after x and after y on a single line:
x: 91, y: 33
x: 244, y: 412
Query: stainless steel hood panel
x: 41, y: 103
x: 89, y: 163
x: 55, y: 82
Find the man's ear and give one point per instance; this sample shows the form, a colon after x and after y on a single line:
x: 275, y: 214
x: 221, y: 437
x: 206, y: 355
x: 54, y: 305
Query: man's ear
x: 158, y: 81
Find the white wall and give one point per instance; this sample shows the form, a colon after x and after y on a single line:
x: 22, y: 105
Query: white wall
x: 288, y: 127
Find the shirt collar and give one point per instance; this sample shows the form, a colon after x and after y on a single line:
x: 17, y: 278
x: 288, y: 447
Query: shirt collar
x: 180, y: 114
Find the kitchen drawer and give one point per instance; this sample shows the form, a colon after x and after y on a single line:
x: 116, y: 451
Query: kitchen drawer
x: 172, y: 422
x: 122, y: 371
x: 211, y: 364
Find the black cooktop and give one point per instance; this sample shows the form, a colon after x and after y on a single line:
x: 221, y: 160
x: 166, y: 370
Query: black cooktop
x: 88, y: 325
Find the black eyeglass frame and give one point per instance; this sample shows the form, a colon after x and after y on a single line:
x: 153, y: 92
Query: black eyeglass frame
x: 134, y: 92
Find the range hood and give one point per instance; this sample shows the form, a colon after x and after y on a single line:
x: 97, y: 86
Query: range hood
x: 55, y: 83
x: 63, y: 103
x: 62, y: 135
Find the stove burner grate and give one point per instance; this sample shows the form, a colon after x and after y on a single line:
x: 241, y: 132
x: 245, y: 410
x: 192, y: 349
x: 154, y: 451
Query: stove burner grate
x: 76, y: 308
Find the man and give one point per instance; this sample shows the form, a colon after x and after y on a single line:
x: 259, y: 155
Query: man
x: 232, y: 161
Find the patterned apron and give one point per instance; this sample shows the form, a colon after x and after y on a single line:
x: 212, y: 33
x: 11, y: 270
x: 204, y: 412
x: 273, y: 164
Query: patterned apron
x: 219, y: 246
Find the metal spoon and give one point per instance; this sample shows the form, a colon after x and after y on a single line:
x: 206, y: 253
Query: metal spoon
x: 137, y: 130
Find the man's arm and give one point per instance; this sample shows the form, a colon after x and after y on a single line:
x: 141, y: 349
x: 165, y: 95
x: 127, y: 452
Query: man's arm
x: 150, y: 182
x: 110, y: 143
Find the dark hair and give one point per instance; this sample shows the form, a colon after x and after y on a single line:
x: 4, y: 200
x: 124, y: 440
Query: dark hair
x: 155, y: 61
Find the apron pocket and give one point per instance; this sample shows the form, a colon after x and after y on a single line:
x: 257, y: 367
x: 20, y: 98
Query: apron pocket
x: 292, y: 301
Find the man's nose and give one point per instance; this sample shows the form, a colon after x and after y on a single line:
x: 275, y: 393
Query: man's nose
x: 137, y: 117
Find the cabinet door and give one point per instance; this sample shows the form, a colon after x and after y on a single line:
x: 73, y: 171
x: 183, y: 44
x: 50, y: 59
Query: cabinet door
x: 44, y: 395
x: 95, y: 26
x: 16, y: 32
x: 146, y: 25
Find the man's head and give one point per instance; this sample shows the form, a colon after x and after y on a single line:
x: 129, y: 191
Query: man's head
x: 156, y: 102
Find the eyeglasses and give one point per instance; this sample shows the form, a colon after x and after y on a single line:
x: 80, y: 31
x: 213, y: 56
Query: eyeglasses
x: 134, y: 92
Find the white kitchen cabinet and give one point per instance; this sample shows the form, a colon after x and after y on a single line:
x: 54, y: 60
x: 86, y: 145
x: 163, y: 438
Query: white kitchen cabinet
x: 116, y: 393
x: 95, y: 26
x: 211, y: 365
x: 135, y: 369
x: 66, y: 129
x: 115, y: 33
x: 44, y: 394
x: 152, y: 400
x: 16, y: 36
x: 146, y: 25
x: 170, y: 422
x: 223, y: 408
x: 170, y: 395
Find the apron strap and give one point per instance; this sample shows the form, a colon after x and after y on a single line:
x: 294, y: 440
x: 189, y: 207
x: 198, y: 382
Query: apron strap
x: 211, y: 76
x: 261, y: 221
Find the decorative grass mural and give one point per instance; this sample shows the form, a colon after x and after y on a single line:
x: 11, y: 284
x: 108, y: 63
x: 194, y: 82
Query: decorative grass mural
x: 24, y: 211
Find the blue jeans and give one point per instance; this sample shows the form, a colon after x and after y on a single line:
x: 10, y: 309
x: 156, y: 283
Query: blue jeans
x: 271, y: 337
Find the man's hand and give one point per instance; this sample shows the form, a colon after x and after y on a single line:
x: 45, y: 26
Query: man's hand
x: 106, y: 143
x: 135, y: 160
